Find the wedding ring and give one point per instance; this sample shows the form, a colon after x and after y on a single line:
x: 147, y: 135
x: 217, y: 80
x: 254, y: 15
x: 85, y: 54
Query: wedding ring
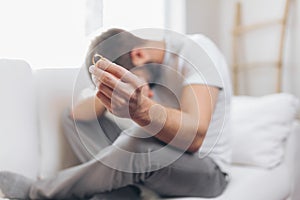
x: 96, y: 58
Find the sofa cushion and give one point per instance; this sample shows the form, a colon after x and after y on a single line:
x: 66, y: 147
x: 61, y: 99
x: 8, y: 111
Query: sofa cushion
x: 19, y: 141
x: 57, y: 89
x: 54, y: 93
x: 260, y: 126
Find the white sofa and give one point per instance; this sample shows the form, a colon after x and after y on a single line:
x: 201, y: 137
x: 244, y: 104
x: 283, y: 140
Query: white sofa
x: 31, y: 141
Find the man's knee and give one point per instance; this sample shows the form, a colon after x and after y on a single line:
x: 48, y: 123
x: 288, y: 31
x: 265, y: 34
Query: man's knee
x: 128, y: 143
x: 136, y: 145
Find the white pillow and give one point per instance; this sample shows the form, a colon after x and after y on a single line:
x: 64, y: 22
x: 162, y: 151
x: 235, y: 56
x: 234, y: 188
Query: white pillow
x: 260, y: 126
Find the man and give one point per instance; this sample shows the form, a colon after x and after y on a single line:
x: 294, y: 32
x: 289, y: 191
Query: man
x: 178, y: 144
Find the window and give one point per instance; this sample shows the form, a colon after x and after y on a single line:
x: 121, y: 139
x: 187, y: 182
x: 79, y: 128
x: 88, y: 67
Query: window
x: 55, y: 33
x: 48, y: 33
x: 134, y: 14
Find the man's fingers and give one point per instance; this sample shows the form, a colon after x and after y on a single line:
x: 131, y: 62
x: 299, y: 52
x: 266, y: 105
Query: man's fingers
x: 104, y: 99
x: 112, y: 68
x: 113, y: 95
x: 124, y: 89
x: 106, y: 90
x: 118, y: 71
x: 104, y: 77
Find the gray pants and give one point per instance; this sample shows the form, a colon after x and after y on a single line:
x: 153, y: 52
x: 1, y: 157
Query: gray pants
x: 187, y: 176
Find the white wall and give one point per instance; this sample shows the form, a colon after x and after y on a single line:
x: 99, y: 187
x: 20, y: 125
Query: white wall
x: 202, y: 16
x: 133, y: 14
x: 292, y: 62
x: 263, y: 45
x: 215, y: 18
x: 293, y: 49
x: 292, y: 73
x: 49, y: 33
x: 175, y: 15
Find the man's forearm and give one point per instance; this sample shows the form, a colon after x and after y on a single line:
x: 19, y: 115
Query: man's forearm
x: 125, y: 95
x: 172, y: 126
x: 87, y: 109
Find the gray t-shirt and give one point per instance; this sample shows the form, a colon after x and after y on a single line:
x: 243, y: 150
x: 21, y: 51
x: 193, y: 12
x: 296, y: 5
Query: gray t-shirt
x: 195, y: 59
x: 188, y: 60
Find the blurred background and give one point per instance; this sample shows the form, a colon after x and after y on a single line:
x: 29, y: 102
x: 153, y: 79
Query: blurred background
x: 55, y: 33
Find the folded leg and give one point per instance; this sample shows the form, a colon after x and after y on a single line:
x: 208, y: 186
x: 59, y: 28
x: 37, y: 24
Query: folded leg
x: 88, y: 138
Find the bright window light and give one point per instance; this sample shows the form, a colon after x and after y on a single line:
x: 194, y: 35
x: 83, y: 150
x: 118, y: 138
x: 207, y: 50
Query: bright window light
x: 134, y: 14
x: 53, y: 33
x: 48, y: 33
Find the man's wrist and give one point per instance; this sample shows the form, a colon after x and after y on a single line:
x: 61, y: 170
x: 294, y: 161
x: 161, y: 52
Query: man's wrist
x: 141, y: 115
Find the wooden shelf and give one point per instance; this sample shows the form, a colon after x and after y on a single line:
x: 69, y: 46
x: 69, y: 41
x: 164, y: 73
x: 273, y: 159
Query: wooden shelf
x: 240, y: 29
x: 245, y: 66
x: 244, y: 29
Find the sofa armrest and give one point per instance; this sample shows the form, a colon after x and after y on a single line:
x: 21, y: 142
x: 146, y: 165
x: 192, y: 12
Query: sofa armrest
x: 19, y: 141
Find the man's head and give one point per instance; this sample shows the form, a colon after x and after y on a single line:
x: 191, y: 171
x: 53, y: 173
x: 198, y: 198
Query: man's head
x: 115, y: 45
x: 125, y: 49
x: 128, y: 51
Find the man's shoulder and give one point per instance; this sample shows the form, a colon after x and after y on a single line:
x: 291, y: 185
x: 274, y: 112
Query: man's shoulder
x: 197, y: 36
x: 201, y: 40
x: 197, y: 46
x: 200, y: 46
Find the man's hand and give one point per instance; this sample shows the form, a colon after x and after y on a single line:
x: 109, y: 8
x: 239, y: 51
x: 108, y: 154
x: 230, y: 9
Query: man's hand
x: 122, y: 93
x: 126, y: 95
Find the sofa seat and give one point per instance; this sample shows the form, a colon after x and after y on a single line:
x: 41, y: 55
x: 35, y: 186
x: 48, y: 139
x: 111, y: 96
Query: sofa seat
x: 249, y: 183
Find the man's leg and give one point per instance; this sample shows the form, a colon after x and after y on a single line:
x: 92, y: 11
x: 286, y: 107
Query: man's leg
x: 100, y: 174
x: 86, y: 179
x: 14, y: 186
x: 188, y: 176
x: 88, y: 138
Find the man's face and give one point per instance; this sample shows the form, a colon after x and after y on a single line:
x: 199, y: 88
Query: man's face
x: 144, y: 74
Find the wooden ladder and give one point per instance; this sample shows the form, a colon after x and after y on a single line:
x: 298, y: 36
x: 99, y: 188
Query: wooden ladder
x: 239, y: 30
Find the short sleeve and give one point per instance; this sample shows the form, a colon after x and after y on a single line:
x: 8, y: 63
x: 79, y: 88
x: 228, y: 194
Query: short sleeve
x: 200, y: 63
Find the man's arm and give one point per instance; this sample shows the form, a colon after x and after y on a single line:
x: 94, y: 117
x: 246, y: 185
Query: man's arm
x: 186, y: 127
x: 121, y: 92
x: 87, y: 109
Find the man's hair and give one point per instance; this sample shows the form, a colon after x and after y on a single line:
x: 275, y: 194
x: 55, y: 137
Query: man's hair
x: 115, y: 45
